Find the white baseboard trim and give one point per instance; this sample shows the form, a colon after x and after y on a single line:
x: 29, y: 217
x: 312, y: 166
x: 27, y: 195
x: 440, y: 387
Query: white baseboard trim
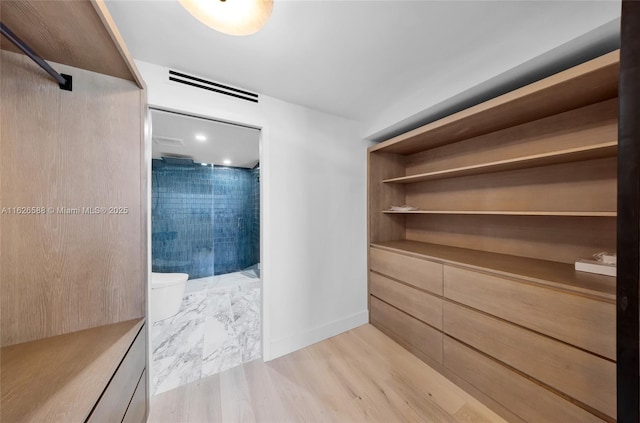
x: 293, y: 343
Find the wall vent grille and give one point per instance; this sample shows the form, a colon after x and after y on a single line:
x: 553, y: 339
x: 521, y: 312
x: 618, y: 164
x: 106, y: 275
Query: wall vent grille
x: 204, y: 84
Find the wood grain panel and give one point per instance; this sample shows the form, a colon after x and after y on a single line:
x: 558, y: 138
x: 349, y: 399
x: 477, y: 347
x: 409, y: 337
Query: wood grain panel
x: 580, y: 321
x: 420, y: 273
x: 59, y: 379
x: 420, y: 305
x: 590, y: 82
x: 68, y: 32
x: 136, y: 413
x: 583, y: 376
x: 382, y: 166
x: 590, y: 125
x: 562, y: 239
x: 420, y: 337
x: 525, y: 398
x: 114, y: 402
x: 579, y: 186
x: 67, y: 272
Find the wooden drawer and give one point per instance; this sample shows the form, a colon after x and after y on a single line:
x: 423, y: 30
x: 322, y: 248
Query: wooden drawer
x: 420, y: 305
x: 523, y: 397
x: 423, y: 274
x: 137, y: 410
x: 116, y: 397
x: 580, y: 321
x: 579, y: 374
x: 421, y: 339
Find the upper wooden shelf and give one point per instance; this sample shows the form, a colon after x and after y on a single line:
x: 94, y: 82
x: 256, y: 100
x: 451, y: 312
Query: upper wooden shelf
x: 79, y: 33
x: 60, y: 379
x: 588, y: 83
x: 597, y: 151
x: 511, y: 212
x: 549, y: 273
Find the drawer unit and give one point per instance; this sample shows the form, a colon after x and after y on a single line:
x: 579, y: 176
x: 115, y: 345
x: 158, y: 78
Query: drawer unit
x: 421, y: 338
x: 420, y: 305
x: 579, y: 374
x: 138, y: 406
x: 113, y: 404
x: 580, y: 321
x: 423, y: 274
x: 525, y: 398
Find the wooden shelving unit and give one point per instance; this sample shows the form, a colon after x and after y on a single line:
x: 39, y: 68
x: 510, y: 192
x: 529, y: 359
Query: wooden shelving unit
x: 598, y: 151
x: 509, y: 193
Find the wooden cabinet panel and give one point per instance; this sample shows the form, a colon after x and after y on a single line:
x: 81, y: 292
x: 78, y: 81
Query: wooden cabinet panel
x: 583, y: 376
x: 580, y: 321
x: 420, y: 305
x: 420, y: 337
x: 138, y: 406
x: 527, y: 399
x: 423, y: 274
x: 116, y: 397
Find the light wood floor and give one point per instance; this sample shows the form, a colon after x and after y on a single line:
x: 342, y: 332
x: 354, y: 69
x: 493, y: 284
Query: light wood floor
x: 358, y: 376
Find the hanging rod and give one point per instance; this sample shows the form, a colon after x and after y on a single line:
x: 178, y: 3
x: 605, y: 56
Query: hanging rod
x: 64, y: 81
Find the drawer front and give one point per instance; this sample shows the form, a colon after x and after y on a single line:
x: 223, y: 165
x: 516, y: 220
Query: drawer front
x: 116, y: 397
x: 138, y: 405
x: 523, y: 397
x: 420, y: 305
x: 421, y: 338
x: 580, y: 321
x: 579, y: 374
x: 423, y: 274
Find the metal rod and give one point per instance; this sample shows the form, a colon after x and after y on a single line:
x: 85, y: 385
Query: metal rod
x: 32, y: 54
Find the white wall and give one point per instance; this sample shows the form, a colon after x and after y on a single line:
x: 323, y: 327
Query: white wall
x: 313, y: 212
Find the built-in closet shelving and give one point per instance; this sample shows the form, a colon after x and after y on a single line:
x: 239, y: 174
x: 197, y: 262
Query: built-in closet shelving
x: 507, y: 195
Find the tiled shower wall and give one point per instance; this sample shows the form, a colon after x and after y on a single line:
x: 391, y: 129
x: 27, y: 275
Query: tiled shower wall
x: 234, y: 220
x: 204, y: 219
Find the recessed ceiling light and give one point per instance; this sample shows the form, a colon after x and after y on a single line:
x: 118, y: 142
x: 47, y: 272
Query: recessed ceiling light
x: 226, y: 162
x: 201, y: 137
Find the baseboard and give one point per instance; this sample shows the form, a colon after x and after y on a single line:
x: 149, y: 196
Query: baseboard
x: 293, y: 343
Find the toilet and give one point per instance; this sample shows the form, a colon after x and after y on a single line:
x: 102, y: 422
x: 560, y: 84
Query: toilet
x: 167, y: 290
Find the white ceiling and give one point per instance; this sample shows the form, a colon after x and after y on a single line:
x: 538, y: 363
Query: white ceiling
x: 239, y: 144
x: 361, y: 59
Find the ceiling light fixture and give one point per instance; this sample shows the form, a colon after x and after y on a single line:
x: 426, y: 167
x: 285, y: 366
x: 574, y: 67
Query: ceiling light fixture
x: 233, y: 17
x: 201, y: 137
x: 226, y: 162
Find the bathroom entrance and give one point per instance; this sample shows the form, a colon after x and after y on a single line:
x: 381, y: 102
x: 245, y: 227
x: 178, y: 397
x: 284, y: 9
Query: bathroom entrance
x: 205, y: 302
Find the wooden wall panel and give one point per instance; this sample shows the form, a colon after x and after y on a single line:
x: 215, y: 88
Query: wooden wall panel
x: 66, y: 272
x: 559, y: 239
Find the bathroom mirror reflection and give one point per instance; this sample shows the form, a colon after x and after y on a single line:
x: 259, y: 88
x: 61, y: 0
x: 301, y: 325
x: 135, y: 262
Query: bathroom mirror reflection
x: 205, y: 297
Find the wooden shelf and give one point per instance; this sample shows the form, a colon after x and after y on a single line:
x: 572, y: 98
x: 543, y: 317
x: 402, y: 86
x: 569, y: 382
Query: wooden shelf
x: 60, y: 379
x: 588, y: 83
x: 542, y: 272
x: 511, y: 213
x: 597, y: 151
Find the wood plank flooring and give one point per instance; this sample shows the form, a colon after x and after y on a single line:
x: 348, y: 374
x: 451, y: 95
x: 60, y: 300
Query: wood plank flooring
x: 358, y: 376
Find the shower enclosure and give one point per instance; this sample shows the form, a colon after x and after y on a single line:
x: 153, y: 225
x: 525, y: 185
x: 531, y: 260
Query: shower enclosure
x: 205, y: 218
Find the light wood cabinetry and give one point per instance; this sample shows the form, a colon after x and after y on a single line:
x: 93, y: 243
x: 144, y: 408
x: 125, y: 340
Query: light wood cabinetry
x: 509, y: 194
x: 72, y: 230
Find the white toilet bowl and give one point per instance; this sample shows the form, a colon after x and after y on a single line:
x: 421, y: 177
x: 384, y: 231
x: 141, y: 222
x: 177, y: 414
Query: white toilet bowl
x: 167, y: 290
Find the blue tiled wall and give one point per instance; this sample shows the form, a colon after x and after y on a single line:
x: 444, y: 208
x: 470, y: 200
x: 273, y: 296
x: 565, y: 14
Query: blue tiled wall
x: 234, y: 221
x: 203, y: 219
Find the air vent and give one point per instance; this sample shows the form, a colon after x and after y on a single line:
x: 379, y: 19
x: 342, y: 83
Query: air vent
x: 204, y: 84
x: 170, y: 142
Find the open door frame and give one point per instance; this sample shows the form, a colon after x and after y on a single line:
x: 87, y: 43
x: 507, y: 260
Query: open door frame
x: 628, y: 243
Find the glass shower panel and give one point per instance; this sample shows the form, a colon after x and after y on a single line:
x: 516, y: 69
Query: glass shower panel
x: 182, y: 217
